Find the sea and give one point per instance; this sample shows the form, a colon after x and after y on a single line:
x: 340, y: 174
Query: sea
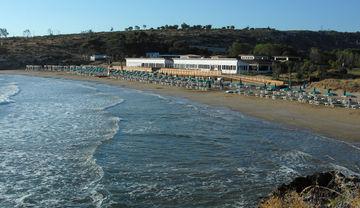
x: 66, y: 143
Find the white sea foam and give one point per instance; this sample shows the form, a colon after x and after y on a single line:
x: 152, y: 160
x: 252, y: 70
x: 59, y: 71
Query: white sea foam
x: 97, y: 197
x: 21, y: 200
x: 48, y: 144
x: 323, y: 138
x: 295, y: 158
x: 344, y: 170
x: 6, y: 92
x: 155, y: 95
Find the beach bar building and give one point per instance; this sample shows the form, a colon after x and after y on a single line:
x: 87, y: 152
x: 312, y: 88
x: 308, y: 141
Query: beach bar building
x: 149, y: 62
x: 225, y: 65
x: 257, y: 64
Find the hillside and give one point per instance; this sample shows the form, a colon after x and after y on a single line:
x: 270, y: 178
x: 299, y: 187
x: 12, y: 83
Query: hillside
x: 75, y: 48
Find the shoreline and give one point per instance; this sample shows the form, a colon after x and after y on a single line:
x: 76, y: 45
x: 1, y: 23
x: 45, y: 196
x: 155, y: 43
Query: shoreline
x: 336, y: 123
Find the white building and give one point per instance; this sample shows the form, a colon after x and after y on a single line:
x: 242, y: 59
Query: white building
x: 225, y: 65
x: 149, y: 62
x: 97, y: 57
x: 286, y: 58
x: 253, y: 57
x: 257, y: 64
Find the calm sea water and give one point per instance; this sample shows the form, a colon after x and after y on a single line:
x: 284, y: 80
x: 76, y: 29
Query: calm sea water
x: 80, y: 144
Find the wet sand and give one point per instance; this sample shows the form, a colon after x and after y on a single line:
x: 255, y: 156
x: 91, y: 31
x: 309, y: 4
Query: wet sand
x: 338, y: 123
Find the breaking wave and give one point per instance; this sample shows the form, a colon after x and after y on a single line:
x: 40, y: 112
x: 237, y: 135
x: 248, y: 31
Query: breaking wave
x: 8, y: 91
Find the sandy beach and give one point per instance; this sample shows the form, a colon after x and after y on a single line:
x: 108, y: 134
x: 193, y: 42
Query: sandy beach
x: 337, y: 123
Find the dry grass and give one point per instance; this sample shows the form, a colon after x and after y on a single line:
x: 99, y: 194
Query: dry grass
x: 355, y: 202
x: 272, y: 202
x: 292, y: 200
x: 351, y: 85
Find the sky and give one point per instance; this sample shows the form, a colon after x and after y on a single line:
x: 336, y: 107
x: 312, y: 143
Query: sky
x: 74, y: 16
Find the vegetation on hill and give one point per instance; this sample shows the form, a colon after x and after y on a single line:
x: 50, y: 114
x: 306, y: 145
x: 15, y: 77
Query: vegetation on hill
x: 325, y: 54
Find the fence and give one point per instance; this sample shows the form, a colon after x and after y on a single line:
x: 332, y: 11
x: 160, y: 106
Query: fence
x: 129, y: 68
x: 187, y: 72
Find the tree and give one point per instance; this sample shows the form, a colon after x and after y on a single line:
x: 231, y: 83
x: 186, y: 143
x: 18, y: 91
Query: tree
x: 278, y: 68
x: 111, y: 29
x: 185, y: 26
x: 315, y: 56
x: 268, y: 49
x: 129, y: 29
x: 137, y: 27
x: 93, y: 46
x: 3, y: 33
x: 197, y: 27
x: 238, y: 48
x: 288, y: 51
x: 87, y: 31
x: 348, y: 58
x: 321, y: 71
x: 115, y: 47
x: 232, y: 27
x: 291, y: 67
x: 207, y: 27
x: 307, y: 68
x: 50, y: 32
x: 144, y: 27
x: 27, y: 33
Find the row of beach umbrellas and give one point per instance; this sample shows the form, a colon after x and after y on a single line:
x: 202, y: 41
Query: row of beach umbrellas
x: 314, y: 96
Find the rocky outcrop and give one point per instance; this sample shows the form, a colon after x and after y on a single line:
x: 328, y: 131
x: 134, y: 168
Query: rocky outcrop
x: 330, y: 189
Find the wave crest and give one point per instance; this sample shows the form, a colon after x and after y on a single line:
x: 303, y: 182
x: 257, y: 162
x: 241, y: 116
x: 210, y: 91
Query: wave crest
x: 8, y: 91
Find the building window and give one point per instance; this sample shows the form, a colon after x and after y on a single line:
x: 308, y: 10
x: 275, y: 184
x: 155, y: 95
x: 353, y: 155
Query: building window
x: 204, y: 66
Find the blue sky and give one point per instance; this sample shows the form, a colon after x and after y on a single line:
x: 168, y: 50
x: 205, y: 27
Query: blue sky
x: 74, y: 16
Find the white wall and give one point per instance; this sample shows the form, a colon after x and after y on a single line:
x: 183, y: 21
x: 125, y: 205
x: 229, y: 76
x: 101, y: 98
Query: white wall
x: 97, y: 57
x: 227, y: 66
x: 138, y: 62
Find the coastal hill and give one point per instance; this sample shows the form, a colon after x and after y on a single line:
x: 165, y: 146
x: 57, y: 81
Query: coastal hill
x: 16, y: 52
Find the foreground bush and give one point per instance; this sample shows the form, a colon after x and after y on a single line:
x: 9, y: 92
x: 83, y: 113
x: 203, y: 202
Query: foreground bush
x: 331, y: 189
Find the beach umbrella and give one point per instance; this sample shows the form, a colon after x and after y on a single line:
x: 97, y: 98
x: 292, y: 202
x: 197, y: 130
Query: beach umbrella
x: 329, y: 93
x: 349, y: 95
x: 315, y: 92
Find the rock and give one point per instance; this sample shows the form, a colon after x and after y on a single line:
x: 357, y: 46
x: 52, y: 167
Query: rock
x: 329, y: 189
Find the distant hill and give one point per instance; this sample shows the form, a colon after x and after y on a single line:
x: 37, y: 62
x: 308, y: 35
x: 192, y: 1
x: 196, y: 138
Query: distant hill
x: 75, y: 48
